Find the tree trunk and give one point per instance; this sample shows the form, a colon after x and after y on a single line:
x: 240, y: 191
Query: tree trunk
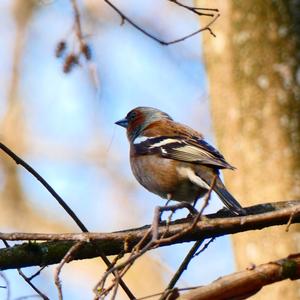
x: 254, y: 76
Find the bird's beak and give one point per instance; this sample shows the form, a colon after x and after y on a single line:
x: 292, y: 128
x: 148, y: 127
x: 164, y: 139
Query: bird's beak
x: 123, y: 123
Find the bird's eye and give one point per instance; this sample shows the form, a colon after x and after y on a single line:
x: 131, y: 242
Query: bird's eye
x: 131, y: 116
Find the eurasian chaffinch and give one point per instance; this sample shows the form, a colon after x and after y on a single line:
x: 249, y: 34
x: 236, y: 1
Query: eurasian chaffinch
x: 172, y: 160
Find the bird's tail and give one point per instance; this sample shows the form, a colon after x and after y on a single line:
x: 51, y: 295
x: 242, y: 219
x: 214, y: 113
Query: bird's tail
x: 228, y: 199
x: 207, y: 175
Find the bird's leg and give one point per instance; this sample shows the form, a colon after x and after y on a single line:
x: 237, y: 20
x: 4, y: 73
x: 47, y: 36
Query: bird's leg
x: 168, y: 221
x: 193, y: 211
x: 169, y: 197
x: 194, y: 207
x: 180, y: 205
x: 195, y: 202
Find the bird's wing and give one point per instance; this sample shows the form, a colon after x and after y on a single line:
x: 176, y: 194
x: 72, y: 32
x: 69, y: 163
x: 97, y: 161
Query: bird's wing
x: 182, y: 148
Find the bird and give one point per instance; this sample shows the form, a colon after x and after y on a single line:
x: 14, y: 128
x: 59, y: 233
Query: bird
x: 174, y: 161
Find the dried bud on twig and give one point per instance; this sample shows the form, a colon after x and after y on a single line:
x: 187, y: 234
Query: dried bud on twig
x: 69, y: 63
x: 86, y: 51
x: 60, y: 49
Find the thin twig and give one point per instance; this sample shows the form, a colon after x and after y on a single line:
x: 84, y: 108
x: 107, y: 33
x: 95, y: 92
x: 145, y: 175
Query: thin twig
x: 69, y: 211
x: 77, y: 23
x: 195, y: 247
x: 67, y: 258
x: 137, y: 251
x: 125, y: 18
x: 116, y: 285
x: 99, y: 288
x: 207, y: 27
x: 37, y: 273
x: 196, y: 10
x: 205, y: 246
x: 72, y: 58
x: 28, y: 280
x: 20, y: 161
x: 181, y: 269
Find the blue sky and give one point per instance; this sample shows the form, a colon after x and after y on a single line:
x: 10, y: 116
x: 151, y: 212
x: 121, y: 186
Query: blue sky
x: 69, y: 122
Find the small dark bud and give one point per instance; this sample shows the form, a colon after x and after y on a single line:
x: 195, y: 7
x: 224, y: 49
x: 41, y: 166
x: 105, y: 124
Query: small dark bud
x: 122, y: 21
x: 70, y: 61
x: 86, y: 50
x: 60, y: 49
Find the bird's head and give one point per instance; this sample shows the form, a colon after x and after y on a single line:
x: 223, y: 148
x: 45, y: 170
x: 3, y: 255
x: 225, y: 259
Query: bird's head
x: 139, y: 118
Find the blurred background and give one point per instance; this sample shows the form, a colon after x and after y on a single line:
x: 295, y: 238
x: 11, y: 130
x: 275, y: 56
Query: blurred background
x: 63, y: 124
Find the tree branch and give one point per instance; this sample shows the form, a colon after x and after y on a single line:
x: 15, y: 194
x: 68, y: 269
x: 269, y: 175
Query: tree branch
x: 194, y: 10
x: 19, y: 161
x: 197, y: 10
x: 241, y: 285
x: 51, y: 252
x: 63, y: 204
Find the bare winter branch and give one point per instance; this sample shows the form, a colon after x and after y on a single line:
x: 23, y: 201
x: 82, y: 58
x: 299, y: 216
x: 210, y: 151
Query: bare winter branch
x: 200, y: 11
x: 67, y: 258
x: 194, y: 10
x: 28, y: 280
x: 34, y: 173
x: 64, y: 205
x: 155, y: 241
x: 46, y: 253
x: 242, y: 285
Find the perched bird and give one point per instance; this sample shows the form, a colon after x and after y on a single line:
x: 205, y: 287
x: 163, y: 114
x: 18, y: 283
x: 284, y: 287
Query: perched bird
x: 172, y: 160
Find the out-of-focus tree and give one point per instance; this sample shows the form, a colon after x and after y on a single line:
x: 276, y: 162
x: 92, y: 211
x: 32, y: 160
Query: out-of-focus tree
x: 254, y: 77
x: 29, y: 60
x: 13, y: 199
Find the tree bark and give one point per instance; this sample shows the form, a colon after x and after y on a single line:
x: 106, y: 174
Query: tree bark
x: 254, y: 77
x: 242, y: 284
x: 179, y: 231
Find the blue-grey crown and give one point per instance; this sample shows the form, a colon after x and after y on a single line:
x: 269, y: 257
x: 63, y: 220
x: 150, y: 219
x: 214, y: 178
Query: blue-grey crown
x: 152, y: 114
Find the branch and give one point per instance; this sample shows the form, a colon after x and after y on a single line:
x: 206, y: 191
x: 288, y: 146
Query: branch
x: 207, y: 27
x: 141, y: 248
x: 34, y: 173
x: 63, y: 204
x: 47, y: 253
x: 196, y: 10
x: 29, y: 279
x: 67, y: 258
x: 241, y: 285
x: 184, y: 265
x: 191, y: 253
